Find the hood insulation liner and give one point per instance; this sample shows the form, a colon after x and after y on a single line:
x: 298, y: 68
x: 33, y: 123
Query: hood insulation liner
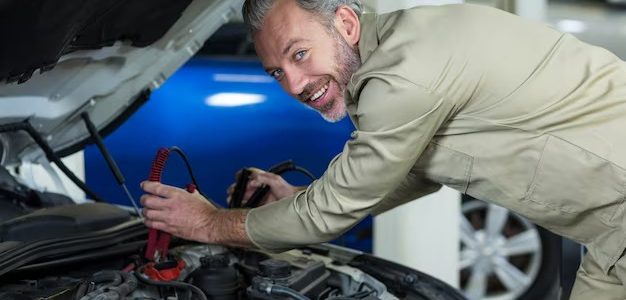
x: 36, y: 33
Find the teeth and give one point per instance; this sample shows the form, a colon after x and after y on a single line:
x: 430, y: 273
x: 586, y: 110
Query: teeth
x: 319, y: 93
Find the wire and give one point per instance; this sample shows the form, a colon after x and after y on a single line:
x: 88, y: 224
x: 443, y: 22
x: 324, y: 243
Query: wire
x: 289, y: 165
x: 305, y: 172
x: 277, y: 169
x: 182, y: 155
x: 187, y: 164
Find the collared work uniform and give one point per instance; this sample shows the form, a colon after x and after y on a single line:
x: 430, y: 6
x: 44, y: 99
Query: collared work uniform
x: 495, y: 106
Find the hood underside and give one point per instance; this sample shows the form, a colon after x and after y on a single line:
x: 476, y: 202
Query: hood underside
x: 60, y: 59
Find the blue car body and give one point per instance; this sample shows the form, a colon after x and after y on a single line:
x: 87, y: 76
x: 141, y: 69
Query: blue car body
x: 225, y: 114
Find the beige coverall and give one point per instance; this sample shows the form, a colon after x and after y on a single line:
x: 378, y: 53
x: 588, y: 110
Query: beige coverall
x: 495, y: 106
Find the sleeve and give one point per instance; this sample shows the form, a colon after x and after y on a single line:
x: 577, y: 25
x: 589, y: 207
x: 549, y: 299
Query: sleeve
x: 396, y: 121
x: 413, y: 186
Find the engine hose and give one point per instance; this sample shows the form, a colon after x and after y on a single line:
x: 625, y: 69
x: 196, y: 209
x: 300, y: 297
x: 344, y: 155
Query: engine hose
x: 279, y: 290
x: 50, y: 155
x: 129, y: 285
x: 285, y: 291
x: 81, y: 291
x: 174, y: 284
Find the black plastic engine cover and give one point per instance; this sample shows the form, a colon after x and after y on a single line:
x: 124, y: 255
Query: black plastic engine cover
x: 36, y: 33
x: 62, y: 221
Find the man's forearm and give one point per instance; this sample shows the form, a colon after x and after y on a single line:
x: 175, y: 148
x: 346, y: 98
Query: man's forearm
x: 228, y: 227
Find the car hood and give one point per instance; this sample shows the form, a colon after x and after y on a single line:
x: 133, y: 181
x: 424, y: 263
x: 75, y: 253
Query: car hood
x: 61, y: 59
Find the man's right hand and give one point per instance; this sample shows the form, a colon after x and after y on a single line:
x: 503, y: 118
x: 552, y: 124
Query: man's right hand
x: 279, y: 188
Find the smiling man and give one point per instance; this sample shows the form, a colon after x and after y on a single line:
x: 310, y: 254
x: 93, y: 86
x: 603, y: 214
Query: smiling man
x: 495, y: 106
x: 312, y: 60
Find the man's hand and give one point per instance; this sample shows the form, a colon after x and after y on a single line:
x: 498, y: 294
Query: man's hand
x: 191, y: 216
x: 279, y: 188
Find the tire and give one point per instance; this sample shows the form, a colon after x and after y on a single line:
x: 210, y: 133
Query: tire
x: 504, y: 256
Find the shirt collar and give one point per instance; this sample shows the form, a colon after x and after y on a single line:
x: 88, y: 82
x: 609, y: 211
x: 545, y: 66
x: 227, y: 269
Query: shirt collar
x: 368, y: 41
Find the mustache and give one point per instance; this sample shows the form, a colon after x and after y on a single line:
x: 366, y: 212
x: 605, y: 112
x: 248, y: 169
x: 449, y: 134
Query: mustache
x: 312, y: 87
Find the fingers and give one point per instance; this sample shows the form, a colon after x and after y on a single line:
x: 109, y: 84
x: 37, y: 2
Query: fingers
x: 260, y: 179
x: 159, y: 189
x: 187, y: 216
x: 156, y: 215
x: 257, y: 171
x: 162, y: 197
x: 156, y: 225
x: 257, y: 179
x: 153, y: 202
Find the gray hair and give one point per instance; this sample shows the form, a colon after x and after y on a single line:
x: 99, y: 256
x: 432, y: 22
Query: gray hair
x: 254, y: 11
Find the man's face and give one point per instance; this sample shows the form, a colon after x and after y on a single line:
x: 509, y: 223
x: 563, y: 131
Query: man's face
x: 312, y: 62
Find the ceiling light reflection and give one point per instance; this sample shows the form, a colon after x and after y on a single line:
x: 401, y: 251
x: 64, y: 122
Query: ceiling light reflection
x: 244, y: 78
x: 234, y: 99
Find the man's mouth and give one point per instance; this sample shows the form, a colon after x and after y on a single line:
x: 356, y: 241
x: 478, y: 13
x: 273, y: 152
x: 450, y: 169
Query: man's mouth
x: 319, y: 93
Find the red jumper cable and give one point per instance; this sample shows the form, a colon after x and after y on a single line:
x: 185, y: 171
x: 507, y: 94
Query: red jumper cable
x: 158, y: 241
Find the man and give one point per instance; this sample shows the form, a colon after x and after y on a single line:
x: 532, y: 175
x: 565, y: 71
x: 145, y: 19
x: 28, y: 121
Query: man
x: 485, y: 102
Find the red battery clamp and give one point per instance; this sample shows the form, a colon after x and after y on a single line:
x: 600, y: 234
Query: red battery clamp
x: 158, y: 241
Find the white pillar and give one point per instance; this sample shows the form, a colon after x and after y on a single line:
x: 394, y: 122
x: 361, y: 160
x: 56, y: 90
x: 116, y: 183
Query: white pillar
x: 423, y: 234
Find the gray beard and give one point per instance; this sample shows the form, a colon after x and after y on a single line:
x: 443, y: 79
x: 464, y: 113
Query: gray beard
x: 348, y: 61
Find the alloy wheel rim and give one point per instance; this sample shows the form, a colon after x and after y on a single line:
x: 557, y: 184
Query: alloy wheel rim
x: 500, y: 253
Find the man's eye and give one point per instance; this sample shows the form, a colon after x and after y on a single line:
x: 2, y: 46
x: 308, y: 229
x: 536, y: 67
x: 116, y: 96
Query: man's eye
x: 277, y: 74
x: 299, y: 55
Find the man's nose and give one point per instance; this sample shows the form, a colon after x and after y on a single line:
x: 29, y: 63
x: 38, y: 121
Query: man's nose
x: 295, y: 83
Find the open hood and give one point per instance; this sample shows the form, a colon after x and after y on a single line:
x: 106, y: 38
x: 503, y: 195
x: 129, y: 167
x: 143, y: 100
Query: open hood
x: 60, y: 59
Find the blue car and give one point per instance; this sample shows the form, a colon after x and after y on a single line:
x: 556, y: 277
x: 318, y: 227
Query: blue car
x: 225, y: 113
x: 84, y: 69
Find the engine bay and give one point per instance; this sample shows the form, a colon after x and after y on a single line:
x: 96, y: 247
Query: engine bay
x: 211, y: 271
x: 108, y: 262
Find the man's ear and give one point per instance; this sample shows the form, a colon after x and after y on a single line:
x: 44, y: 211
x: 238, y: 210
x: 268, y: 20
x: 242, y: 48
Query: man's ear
x: 348, y: 25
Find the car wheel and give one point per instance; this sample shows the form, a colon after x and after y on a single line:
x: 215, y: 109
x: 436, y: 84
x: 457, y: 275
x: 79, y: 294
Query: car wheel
x: 504, y: 256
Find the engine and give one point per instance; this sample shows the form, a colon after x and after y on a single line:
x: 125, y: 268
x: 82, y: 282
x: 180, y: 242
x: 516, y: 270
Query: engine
x: 213, y: 272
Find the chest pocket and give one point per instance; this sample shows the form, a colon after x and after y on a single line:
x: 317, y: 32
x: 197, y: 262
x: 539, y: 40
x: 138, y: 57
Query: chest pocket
x: 444, y: 165
x: 570, y: 180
